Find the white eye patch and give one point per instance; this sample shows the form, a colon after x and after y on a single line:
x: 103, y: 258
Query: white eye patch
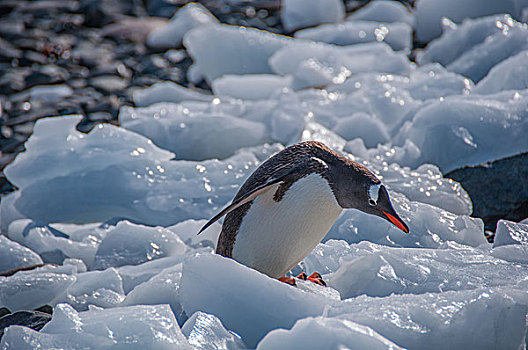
x: 373, y: 193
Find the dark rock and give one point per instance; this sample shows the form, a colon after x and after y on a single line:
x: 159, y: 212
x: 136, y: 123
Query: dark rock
x: 499, y: 190
x: 48, y: 74
x: 32, y: 319
x: 108, y: 83
x: 4, y: 311
x: 8, y: 51
x: 133, y: 29
x: 47, y: 309
x: 162, y: 8
x: 100, y: 116
x: 13, y: 81
x: 91, y: 55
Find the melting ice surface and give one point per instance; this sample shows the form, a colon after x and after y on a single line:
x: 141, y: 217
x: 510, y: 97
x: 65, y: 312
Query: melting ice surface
x: 114, y: 213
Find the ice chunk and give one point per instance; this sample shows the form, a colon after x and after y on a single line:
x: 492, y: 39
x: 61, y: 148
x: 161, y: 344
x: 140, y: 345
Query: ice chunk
x: 510, y: 74
x: 27, y: 291
x: 167, y: 91
x: 222, y: 49
x: 516, y: 253
x: 383, y: 11
x: 13, y: 255
x: 134, y: 275
x: 397, y: 35
x: 114, y: 173
x: 297, y: 14
x: 493, y: 317
x: 475, y: 46
x: 510, y: 233
x: 205, y: 331
x: 365, y: 126
x: 188, y: 232
x: 316, y: 132
x: 434, y: 81
x: 374, y: 270
x: 23, y: 338
x: 429, y: 226
x: 325, y: 333
x: 327, y: 257
x: 429, y: 13
x: 469, y: 130
x: 195, y: 135
x: 188, y: 17
x: 52, y: 244
x: 133, y: 327
x: 319, y: 64
x: 247, y: 302
x: 77, y: 264
x: 163, y: 288
x: 250, y: 86
x: 131, y: 244
x: 99, y: 288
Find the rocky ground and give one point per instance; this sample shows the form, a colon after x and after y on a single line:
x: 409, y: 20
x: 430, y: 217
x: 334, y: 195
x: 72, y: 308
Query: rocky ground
x: 87, y: 56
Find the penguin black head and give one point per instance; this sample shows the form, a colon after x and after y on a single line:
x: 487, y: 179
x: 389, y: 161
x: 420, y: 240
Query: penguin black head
x: 355, y: 187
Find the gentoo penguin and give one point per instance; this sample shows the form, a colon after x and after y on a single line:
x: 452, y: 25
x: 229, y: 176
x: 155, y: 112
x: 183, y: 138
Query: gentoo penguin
x: 290, y: 202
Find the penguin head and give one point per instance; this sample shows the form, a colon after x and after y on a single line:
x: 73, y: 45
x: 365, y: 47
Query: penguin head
x: 355, y: 187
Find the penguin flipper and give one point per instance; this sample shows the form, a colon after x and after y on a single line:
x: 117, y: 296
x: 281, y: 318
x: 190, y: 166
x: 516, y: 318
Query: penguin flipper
x: 241, y: 201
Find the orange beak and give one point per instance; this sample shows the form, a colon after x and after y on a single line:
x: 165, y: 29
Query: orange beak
x: 397, y: 222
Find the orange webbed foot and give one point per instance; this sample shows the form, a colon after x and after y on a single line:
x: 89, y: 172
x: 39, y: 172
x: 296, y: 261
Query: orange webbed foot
x: 288, y: 280
x: 302, y: 276
x: 316, y: 278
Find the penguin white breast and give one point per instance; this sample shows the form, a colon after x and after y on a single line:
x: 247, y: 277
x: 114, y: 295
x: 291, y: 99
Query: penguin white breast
x: 275, y: 236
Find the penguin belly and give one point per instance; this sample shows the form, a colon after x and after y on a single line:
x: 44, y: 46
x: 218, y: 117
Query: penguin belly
x: 276, y: 236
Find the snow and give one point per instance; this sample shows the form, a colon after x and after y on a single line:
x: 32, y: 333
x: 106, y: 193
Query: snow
x: 188, y: 17
x: 205, y: 331
x: 297, y: 14
x: 383, y: 11
x: 397, y: 35
x: 14, y: 255
x: 509, y: 232
x: 325, y: 333
x: 429, y: 13
x: 133, y: 327
x: 114, y: 213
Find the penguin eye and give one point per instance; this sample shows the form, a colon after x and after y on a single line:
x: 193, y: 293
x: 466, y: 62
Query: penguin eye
x: 372, y: 202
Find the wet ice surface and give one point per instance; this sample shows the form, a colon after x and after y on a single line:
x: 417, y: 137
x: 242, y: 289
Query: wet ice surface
x: 114, y: 213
